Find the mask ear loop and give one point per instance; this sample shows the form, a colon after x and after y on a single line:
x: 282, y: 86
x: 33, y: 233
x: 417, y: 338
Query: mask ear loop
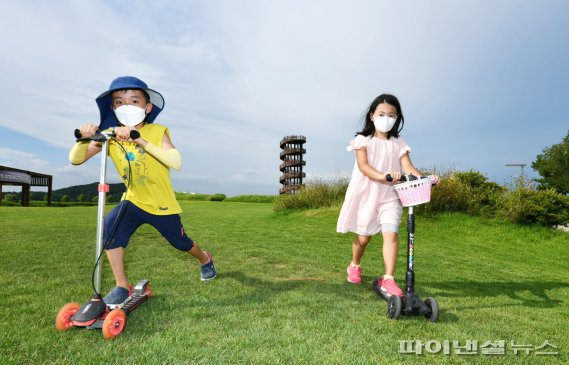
x: 150, y: 111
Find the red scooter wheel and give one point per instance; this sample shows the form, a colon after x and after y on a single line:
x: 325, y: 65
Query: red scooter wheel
x: 114, y: 323
x: 63, y: 319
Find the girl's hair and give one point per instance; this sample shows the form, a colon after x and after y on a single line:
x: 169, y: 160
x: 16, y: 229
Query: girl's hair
x: 369, y: 128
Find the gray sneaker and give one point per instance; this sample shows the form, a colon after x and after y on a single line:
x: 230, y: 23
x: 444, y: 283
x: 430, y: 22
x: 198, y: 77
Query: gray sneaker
x: 207, y: 271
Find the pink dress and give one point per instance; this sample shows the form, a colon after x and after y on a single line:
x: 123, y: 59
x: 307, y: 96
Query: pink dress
x: 370, y: 203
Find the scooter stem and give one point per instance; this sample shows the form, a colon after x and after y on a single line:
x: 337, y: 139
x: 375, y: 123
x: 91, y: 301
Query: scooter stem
x: 103, y: 189
x: 410, y: 275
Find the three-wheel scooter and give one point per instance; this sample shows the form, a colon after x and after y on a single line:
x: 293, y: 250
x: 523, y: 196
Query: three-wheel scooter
x: 414, y: 191
x: 113, y: 319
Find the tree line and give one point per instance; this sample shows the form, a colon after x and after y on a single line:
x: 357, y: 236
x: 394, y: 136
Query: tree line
x: 78, y: 193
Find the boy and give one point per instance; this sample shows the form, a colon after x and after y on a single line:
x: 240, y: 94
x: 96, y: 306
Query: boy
x: 144, y: 166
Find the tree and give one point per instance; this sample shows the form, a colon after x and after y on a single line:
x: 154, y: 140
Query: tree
x: 81, y: 198
x: 553, y: 165
x: 11, y: 197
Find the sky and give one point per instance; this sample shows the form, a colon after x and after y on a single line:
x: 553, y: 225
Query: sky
x: 482, y: 83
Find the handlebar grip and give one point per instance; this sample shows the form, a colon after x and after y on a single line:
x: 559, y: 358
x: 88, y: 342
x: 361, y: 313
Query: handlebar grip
x: 134, y: 134
x: 80, y: 137
x: 403, y: 178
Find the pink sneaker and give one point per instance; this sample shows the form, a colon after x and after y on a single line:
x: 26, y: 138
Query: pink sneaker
x: 354, y: 274
x: 389, y: 287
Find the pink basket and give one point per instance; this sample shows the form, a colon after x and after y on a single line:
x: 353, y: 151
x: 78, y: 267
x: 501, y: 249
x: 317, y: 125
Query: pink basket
x: 415, y: 192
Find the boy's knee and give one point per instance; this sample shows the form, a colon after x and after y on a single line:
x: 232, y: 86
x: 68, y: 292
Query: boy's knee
x: 113, y: 244
x: 185, y: 244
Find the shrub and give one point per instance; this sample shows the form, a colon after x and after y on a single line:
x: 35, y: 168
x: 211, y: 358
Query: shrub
x: 193, y: 197
x: 252, y: 198
x: 544, y: 207
x: 217, y: 197
x: 316, y: 194
x: 482, y: 194
x: 450, y: 195
x: 469, y: 192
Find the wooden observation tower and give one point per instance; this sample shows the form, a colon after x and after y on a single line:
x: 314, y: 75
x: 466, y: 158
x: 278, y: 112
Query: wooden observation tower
x: 293, y: 161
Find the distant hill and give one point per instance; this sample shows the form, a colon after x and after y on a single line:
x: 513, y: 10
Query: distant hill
x: 89, y: 191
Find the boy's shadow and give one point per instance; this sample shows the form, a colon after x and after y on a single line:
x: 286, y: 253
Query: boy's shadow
x: 267, y: 290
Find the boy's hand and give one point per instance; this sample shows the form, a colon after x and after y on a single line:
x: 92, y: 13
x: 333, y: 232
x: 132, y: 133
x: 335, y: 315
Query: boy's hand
x: 122, y: 134
x: 88, y: 130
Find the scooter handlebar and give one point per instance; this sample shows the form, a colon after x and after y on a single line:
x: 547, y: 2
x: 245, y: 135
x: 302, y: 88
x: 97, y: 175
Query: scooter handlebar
x: 98, y: 135
x: 405, y: 178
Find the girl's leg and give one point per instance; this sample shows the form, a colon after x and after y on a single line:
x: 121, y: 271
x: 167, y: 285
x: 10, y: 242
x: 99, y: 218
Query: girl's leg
x: 358, y: 248
x: 390, y: 251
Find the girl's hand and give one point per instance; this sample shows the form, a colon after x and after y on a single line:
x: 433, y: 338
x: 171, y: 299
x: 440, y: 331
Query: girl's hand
x: 396, y: 175
x: 435, y: 179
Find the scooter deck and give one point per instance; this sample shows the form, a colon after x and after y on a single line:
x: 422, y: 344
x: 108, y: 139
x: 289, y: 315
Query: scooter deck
x: 378, y: 291
x: 140, y: 294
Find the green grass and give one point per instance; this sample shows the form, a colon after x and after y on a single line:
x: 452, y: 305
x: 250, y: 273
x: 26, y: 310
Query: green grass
x: 281, y: 294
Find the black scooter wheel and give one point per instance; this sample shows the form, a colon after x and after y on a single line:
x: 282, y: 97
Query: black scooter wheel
x: 434, y: 307
x: 394, y: 306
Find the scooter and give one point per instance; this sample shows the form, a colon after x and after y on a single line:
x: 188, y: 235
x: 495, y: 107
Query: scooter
x: 414, y: 191
x: 113, y: 321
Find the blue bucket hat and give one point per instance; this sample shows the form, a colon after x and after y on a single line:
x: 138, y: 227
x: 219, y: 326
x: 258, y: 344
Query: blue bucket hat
x: 108, y: 118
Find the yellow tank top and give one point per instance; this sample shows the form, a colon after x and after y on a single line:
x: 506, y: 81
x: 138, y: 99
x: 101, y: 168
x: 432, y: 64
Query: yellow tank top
x: 149, y: 186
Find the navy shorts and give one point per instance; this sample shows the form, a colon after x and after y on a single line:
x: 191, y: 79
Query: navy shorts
x: 131, y: 217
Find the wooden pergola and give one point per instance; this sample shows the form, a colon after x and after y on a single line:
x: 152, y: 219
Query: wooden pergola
x: 25, y: 179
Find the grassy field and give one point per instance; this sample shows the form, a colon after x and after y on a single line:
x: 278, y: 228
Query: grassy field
x: 281, y: 295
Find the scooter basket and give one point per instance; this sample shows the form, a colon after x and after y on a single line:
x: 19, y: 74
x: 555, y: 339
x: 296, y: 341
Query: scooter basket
x: 415, y: 192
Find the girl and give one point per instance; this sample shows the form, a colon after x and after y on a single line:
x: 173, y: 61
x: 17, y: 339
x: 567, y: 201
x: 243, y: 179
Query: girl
x: 371, y: 205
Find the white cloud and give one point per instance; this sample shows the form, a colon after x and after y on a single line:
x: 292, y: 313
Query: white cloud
x: 28, y: 161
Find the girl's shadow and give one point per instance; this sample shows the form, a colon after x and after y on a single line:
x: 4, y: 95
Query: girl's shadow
x: 531, y: 293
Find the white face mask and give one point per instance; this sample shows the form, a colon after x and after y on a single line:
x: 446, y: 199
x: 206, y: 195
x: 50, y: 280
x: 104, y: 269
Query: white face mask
x: 383, y: 124
x: 130, y: 115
